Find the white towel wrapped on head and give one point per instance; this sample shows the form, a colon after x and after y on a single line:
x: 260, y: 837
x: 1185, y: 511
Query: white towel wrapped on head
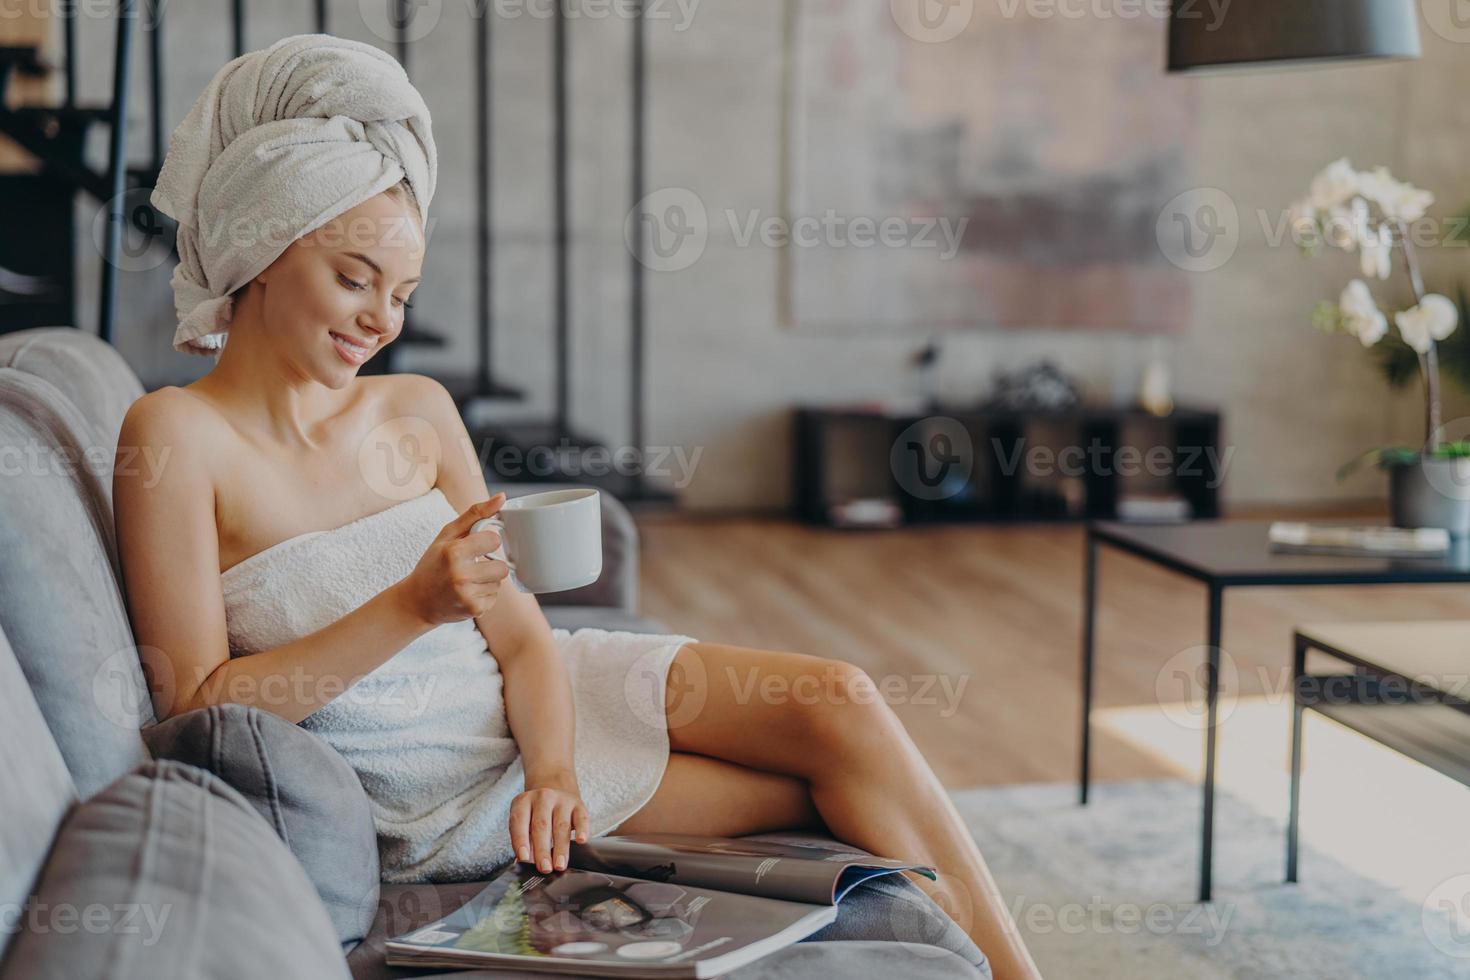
x: 280, y: 142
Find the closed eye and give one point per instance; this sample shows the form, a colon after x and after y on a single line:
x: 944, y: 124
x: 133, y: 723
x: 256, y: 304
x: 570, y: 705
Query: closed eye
x: 354, y: 285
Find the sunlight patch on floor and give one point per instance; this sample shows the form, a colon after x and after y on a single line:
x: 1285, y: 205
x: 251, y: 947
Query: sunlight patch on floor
x: 1367, y: 807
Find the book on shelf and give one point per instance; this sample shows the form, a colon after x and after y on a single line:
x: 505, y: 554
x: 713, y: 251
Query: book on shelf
x: 1162, y: 508
x: 865, y: 512
x: 647, y: 905
x: 1358, y: 540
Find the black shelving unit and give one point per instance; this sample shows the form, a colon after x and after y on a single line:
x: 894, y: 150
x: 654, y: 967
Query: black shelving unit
x: 992, y: 491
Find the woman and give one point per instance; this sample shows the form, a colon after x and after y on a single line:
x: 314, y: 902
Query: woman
x: 300, y: 180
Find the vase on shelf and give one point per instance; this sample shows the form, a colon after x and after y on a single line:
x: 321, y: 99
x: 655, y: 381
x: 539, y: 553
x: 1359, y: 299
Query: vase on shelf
x: 1155, y: 390
x: 1430, y: 492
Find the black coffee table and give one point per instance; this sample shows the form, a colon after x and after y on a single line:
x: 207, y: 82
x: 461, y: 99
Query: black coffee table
x: 1223, y: 555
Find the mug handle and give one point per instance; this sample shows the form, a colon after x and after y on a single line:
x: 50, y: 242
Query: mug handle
x: 499, y: 525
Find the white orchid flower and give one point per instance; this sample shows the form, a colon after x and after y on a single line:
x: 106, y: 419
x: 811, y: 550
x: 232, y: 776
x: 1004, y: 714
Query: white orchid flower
x: 1337, y: 182
x: 1360, y: 315
x: 1377, y: 253
x: 1397, y: 200
x: 1347, y: 225
x: 1408, y: 203
x: 1435, y: 318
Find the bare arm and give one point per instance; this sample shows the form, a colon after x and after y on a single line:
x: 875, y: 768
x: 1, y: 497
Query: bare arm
x: 538, y: 690
x: 169, y: 548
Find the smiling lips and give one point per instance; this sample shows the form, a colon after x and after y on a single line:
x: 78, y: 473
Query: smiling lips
x: 352, y: 352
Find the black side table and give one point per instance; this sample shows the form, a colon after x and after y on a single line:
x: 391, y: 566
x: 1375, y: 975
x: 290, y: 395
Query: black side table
x: 1405, y: 688
x: 1223, y: 555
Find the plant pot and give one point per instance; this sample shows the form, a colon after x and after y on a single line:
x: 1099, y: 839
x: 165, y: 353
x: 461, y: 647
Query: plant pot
x: 1431, y: 493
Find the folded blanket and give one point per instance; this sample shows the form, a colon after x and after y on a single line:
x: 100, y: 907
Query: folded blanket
x: 280, y: 142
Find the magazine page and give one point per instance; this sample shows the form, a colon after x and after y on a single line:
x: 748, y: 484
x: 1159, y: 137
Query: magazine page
x: 589, y: 923
x: 794, y: 872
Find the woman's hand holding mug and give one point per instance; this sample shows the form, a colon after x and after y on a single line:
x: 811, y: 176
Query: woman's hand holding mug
x: 453, y: 581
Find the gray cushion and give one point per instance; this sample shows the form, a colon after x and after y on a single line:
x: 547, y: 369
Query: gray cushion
x: 183, y: 879
x: 86, y: 369
x: 34, y: 785
x: 306, y: 791
x: 60, y: 603
x: 890, y: 908
x: 816, y: 960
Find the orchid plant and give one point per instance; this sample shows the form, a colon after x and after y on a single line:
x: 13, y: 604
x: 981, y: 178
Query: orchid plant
x: 1370, y: 212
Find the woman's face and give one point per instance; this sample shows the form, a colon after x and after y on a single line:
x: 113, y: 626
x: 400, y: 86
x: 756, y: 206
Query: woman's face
x: 335, y: 297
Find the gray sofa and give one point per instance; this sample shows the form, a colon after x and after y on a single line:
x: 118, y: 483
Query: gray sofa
x: 227, y: 842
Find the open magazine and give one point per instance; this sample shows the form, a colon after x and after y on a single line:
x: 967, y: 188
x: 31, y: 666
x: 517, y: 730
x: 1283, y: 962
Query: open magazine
x: 647, y: 905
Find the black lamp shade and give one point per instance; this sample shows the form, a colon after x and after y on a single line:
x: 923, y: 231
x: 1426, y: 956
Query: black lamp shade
x: 1254, y: 32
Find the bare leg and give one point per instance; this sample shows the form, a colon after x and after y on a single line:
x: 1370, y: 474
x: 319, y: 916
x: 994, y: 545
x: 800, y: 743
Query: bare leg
x: 823, y: 722
x: 700, y: 795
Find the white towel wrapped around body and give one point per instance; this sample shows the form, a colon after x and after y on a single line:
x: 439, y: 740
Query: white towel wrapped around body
x: 281, y: 141
x: 426, y: 731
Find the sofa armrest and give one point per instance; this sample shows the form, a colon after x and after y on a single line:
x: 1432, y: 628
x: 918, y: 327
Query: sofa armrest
x: 308, y: 794
x: 618, y: 586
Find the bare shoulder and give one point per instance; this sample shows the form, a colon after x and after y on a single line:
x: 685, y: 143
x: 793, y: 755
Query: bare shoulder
x: 168, y: 450
x: 410, y: 393
x: 430, y: 406
x: 169, y: 415
x: 420, y: 399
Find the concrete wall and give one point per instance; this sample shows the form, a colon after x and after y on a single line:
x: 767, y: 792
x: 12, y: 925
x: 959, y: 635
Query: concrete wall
x: 722, y: 373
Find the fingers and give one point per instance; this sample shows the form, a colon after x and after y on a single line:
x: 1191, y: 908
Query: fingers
x: 458, y: 527
x: 474, y: 545
x: 541, y: 826
x: 481, y: 576
x: 561, y: 833
x: 520, y: 827
x: 581, y: 823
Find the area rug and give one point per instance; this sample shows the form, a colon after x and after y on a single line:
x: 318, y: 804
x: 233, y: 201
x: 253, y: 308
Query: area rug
x: 1107, y: 890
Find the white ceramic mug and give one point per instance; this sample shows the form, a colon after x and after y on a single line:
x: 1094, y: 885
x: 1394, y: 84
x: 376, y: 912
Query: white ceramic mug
x: 552, y: 541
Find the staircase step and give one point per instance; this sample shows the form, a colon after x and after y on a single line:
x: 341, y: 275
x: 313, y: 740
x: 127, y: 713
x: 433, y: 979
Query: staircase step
x: 56, y: 127
x: 61, y: 115
x: 143, y: 175
x: 58, y: 136
x: 467, y: 388
x: 412, y: 336
x: 24, y: 284
x: 25, y: 59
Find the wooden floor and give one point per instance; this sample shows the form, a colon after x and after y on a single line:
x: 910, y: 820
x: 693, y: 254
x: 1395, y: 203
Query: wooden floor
x: 975, y: 630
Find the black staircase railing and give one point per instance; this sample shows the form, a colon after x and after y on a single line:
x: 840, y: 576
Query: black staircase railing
x: 117, y: 177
